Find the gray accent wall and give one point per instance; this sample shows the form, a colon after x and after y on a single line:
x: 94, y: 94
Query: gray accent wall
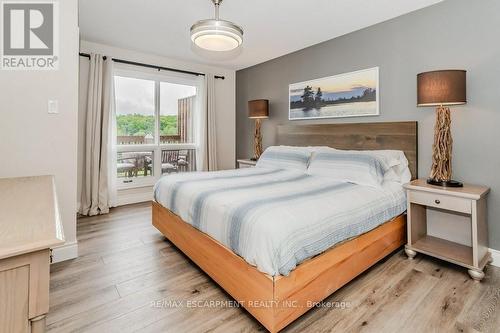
x: 454, y: 34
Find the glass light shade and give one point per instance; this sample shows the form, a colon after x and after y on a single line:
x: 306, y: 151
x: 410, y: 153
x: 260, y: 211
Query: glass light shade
x: 216, y: 35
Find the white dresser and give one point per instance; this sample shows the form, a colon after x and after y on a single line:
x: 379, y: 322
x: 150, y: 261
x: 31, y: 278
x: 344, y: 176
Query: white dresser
x: 30, y: 226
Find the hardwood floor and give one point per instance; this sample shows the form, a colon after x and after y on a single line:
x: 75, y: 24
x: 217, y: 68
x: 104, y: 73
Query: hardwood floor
x: 128, y: 278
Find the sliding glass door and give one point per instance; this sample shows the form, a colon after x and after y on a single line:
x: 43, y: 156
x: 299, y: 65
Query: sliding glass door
x: 156, y: 125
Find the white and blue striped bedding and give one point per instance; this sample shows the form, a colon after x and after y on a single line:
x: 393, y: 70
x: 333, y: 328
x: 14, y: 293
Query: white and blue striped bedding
x: 275, y: 218
x: 348, y: 166
x: 282, y: 157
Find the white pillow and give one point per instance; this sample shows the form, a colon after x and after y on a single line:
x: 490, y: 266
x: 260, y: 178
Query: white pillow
x: 350, y: 166
x: 395, y: 159
x: 398, y: 165
x: 285, y: 157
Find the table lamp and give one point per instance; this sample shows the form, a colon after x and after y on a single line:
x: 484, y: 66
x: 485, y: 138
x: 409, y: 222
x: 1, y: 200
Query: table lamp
x: 258, y: 109
x: 442, y: 89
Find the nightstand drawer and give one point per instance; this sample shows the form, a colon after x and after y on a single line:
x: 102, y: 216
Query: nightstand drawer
x: 243, y: 166
x: 441, y: 201
x: 246, y: 164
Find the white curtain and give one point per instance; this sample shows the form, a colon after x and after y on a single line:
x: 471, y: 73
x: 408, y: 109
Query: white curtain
x: 207, y: 152
x: 112, y: 180
x: 98, y: 188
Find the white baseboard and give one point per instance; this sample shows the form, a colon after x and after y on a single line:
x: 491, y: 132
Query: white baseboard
x: 495, y: 255
x: 65, y: 252
x: 131, y: 198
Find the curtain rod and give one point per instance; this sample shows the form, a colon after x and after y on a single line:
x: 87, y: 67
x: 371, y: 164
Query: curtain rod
x: 127, y: 62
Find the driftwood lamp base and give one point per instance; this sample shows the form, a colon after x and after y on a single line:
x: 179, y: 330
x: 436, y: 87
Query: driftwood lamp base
x: 258, y: 109
x: 257, y: 140
x: 441, y: 151
x: 445, y: 183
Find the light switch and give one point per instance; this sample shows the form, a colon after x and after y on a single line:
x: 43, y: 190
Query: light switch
x: 53, y: 106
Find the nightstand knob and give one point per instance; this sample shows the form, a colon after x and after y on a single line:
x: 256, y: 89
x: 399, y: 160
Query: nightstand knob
x: 437, y: 202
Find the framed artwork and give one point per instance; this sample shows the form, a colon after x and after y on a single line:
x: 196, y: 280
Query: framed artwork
x: 353, y: 94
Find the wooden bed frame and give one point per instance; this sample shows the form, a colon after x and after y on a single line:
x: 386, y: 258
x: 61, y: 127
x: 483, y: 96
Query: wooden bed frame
x: 277, y: 301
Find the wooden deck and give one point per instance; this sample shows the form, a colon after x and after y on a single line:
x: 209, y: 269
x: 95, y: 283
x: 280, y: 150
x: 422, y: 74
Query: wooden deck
x: 128, y: 278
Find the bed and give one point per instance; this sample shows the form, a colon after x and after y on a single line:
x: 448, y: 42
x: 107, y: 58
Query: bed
x: 257, y: 231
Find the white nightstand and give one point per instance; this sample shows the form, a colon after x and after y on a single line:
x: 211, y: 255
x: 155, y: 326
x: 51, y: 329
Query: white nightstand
x: 246, y: 164
x: 468, y: 201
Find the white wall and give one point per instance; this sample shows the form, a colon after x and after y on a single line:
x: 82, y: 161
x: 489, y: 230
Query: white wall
x: 34, y: 142
x: 225, y: 103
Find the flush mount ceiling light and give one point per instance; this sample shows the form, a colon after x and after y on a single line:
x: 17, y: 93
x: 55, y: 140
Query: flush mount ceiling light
x: 215, y: 34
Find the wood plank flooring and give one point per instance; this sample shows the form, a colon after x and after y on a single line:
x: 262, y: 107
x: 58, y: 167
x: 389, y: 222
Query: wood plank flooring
x: 128, y: 278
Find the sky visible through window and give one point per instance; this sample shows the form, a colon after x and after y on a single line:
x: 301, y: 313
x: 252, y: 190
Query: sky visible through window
x: 170, y: 93
x: 135, y: 109
x: 136, y: 96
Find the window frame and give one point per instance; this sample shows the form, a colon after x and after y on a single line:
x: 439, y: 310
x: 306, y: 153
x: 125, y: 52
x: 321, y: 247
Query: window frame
x: 156, y: 147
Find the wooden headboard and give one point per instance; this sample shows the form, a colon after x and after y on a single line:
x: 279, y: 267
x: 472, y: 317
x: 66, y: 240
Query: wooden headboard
x: 361, y: 136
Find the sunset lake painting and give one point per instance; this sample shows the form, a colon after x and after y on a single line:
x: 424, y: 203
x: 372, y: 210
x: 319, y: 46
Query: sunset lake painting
x: 352, y: 94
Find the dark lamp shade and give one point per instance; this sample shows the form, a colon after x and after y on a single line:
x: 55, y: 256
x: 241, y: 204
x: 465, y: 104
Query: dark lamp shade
x: 258, y: 108
x: 446, y: 87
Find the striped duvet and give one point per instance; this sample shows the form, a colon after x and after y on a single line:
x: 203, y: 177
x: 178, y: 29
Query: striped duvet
x: 275, y: 218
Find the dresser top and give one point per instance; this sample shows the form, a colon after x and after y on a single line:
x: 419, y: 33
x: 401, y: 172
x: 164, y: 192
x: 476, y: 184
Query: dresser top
x: 468, y: 191
x: 29, y: 216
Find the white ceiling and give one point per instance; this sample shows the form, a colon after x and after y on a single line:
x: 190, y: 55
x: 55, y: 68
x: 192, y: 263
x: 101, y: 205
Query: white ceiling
x: 272, y: 28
